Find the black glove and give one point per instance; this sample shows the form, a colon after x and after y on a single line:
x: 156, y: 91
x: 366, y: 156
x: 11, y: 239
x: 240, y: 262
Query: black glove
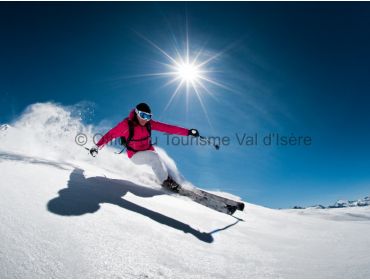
x: 193, y: 132
x: 93, y: 151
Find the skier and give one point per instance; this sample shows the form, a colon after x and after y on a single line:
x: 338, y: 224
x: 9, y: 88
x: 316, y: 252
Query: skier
x: 135, y: 133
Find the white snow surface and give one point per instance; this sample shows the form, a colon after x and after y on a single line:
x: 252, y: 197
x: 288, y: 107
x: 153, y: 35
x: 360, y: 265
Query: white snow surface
x: 67, y: 215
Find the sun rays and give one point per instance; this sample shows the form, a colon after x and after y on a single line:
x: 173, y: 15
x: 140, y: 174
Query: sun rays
x: 187, y: 71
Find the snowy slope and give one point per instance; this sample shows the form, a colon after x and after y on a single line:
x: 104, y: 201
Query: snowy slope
x: 67, y: 215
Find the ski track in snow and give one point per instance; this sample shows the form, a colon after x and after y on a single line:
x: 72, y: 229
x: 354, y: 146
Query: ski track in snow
x: 67, y: 215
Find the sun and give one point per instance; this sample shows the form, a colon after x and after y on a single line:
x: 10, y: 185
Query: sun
x: 188, y: 72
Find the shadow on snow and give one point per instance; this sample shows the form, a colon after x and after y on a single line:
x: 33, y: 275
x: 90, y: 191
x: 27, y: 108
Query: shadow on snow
x: 84, y: 195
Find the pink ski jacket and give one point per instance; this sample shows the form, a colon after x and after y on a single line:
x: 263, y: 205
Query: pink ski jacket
x: 140, y: 132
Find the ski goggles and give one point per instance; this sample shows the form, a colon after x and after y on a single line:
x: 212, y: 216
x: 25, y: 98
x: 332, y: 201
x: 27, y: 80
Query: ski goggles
x: 143, y: 115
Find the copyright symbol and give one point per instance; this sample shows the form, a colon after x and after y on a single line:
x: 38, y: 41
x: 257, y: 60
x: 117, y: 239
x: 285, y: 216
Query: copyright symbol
x: 81, y: 139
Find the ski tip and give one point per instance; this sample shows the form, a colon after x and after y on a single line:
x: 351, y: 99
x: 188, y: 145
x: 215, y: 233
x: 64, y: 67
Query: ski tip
x: 241, y: 206
x: 231, y: 209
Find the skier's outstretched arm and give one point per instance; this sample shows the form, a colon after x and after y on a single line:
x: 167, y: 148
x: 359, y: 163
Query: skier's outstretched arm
x: 119, y: 130
x: 173, y: 129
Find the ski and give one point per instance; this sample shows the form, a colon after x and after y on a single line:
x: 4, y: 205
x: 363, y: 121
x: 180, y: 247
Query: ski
x: 210, y: 200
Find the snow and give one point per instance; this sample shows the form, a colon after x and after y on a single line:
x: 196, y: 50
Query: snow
x: 67, y: 215
x: 351, y: 203
x: 341, y: 204
x: 4, y: 127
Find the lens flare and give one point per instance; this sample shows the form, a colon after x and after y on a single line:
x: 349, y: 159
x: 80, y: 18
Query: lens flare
x: 187, y: 70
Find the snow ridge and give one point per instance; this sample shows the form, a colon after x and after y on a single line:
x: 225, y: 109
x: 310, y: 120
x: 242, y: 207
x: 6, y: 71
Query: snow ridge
x: 341, y: 204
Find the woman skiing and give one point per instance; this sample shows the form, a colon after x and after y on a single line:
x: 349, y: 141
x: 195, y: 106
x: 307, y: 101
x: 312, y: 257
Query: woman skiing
x: 135, y: 133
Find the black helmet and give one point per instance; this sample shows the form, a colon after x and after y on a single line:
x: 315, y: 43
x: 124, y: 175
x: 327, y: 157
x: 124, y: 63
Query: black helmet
x: 143, y: 107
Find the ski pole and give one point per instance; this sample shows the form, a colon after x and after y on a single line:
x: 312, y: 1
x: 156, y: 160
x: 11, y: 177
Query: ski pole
x: 86, y: 148
x: 209, y: 142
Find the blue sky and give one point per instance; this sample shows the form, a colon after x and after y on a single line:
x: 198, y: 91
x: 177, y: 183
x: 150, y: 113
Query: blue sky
x: 287, y: 68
